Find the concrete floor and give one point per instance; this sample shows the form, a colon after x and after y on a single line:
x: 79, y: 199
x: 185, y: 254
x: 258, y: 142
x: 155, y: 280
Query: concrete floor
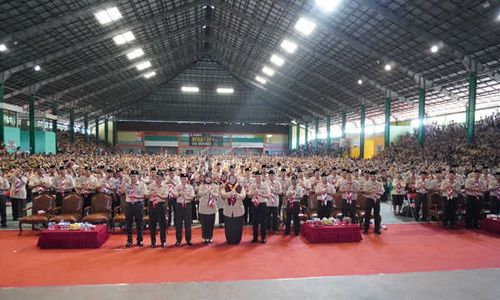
x: 457, y: 285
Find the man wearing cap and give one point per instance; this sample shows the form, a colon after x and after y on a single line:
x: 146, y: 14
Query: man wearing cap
x: 285, y: 183
x: 86, y: 185
x: 37, y: 182
x: 349, y: 189
x: 306, y: 187
x: 134, y: 191
x: 325, y: 192
x: 171, y: 181
x: 63, y: 184
x: 4, y: 190
x: 18, y: 193
x: 273, y: 202
x: 293, y: 197
x: 450, y: 188
x: 373, y: 190
x: 261, y: 194
x: 246, y: 181
x: 423, y: 186
x: 474, y: 190
x: 208, y: 195
x: 157, y: 195
x: 184, y: 193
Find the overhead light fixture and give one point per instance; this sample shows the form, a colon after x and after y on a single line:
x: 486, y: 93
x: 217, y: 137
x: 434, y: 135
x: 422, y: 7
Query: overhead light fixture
x: 108, y: 15
x: 149, y: 75
x: 268, y: 71
x: 305, y: 26
x: 261, y: 79
x: 124, y: 38
x: 434, y: 48
x: 388, y: 67
x: 360, y: 82
x: 328, y: 5
x: 277, y: 60
x: 3, y: 48
x: 289, y: 46
x: 190, y: 89
x: 135, y: 54
x: 143, y: 65
x: 498, y: 17
x: 225, y: 90
x: 37, y: 68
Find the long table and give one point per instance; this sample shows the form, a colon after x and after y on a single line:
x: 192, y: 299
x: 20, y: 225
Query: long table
x: 68, y: 239
x: 331, y: 234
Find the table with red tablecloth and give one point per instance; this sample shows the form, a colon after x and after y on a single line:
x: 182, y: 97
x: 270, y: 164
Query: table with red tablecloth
x: 347, y: 233
x: 93, y: 238
x: 491, y: 225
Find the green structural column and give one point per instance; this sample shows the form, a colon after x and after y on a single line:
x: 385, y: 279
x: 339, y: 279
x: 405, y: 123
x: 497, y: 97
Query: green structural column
x: 32, y: 123
x: 471, y: 125
x: 2, y: 134
x: 54, y: 122
x: 421, y: 116
x: 328, y: 142
x: 290, y: 137
x: 362, y: 133
x: 344, y: 117
x: 297, y: 142
x: 316, y: 132
x: 97, y: 130
x: 387, y: 130
x: 106, y: 129
x: 115, y: 134
x: 307, y: 136
x: 72, y: 125
x: 86, y: 126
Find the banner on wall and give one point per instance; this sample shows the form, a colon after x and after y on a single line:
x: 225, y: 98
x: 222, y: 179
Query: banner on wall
x: 205, y: 140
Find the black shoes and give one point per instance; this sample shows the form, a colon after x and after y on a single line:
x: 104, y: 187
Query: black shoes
x: 153, y: 246
x: 189, y: 244
x: 263, y: 241
x: 140, y: 244
x: 378, y: 232
x: 177, y: 244
x: 163, y: 244
x: 254, y: 241
x: 128, y: 244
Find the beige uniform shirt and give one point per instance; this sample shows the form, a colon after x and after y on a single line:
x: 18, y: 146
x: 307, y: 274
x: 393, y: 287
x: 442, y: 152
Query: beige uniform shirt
x: 208, y: 195
x: 236, y: 210
x: 275, y: 187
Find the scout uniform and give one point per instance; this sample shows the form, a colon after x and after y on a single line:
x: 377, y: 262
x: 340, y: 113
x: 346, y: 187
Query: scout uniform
x: 184, y: 193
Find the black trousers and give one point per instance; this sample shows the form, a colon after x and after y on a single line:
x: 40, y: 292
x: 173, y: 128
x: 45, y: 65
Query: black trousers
x: 157, y: 215
x: 17, y: 208
x: 495, y: 204
x: 59, y: 198
x: 182, y: 216
x: 472, y: 211
x: 292, y: 213
x: 421, y: 202
x: 221, y: 216
x: 207, y: 226
x: 349, y: 209
x: 259, y: 218
x: 305, y: 201
x: 134, y: 211
x: 247, y: 217
x: 280, y: 205
x: 324, y: 211
x: 375, y: 205
x: 272, y: 218
x: 233, y: 230
x: 87, y: 199
x: 3, y: 210
x: 194, y: 211
x: 171, y: 208
x: 449, y: 211
x: 397, y: 200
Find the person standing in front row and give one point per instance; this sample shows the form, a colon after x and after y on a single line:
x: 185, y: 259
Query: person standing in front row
x: 293, y: 197
x: 184, y: 193
x: 450, y: 188
x: 157, y: 208
x: 374, y: 190
x: 134, y: 191
x: 260, y: 193
x: 325, y: 192
x: 208, y: 194
x: 273, y: 203
x: 474, y: 189
x: 349, y: 188
x: 233, y: 193
x: 4, y: 188
x: 18, y: 195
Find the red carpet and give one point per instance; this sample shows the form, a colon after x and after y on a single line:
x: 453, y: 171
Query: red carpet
x: 402, y: 248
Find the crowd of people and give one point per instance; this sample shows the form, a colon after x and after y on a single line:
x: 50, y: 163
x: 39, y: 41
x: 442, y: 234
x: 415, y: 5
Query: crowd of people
x: 265, y: 191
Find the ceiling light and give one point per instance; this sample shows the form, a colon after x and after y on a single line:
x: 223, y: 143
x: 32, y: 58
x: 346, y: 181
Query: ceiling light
x: 434, y: 48
x: 3, y: 48
x: 143, y: 65
x: 108, y: 15
x: 360, y: 82
x: 225, y: 90
x: 388, y: 67
x: 135, y: 54
x: 190, y: 89
x: 289, y: 47
x: 268, y: 71
x: 124, y: 38
x: 305, y: 26
x: 277, y: 60
x: 261, y: 79
x: 150, y: 74
x: 328, y: 5
x: 498, y: 17
x: 37, y: 68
